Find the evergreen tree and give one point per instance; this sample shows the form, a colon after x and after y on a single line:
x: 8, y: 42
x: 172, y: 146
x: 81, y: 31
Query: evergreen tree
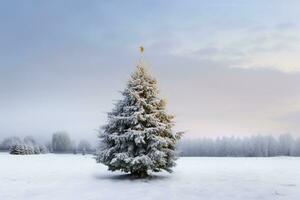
x: 18, y: 149
x: 36, y: 149
x: 15, y: 149
x: 138, y: 137
x: 43, y: 149
x: 26, y: 149
x: 84, y: 147
x: 61, y: 142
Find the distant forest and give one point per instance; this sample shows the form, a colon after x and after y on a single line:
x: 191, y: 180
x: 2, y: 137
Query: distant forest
x: 255, y: 146
x: 60, y: 143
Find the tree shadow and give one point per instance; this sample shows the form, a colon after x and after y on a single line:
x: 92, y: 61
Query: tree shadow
x: 130, y: 177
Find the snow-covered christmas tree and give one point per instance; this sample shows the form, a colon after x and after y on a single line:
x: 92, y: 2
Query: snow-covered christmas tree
x: 138, y: 136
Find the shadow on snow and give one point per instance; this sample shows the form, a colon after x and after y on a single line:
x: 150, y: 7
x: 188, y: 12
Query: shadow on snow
x: 126, y: 177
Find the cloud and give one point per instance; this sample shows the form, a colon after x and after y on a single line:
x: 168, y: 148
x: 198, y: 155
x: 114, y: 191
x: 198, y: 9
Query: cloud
x: 274, y: 47
x: 220, y: 64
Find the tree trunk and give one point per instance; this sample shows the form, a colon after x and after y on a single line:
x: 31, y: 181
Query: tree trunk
x: 140, y: 174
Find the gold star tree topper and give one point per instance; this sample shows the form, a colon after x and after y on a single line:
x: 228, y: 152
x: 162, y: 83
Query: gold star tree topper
x: 141, y: 61
x: 142, y: 49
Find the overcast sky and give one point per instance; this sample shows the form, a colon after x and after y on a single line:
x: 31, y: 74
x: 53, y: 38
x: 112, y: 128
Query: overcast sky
x: 226, y: 67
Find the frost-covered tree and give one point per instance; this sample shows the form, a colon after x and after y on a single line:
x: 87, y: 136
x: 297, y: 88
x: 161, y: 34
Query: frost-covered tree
x: 286, y: 144
x: 138, y: 136
x: 296, y: 148
x: 61, y: 142
x: 24, y: 147
x: 254, y: 146
x: 83, y: 151
x: 8, y: 143
x: 36, y: 149
x: 49, y: 146
x: 21, y: 149
x: 28, y: 149
x: 84, y: 146
x: 43, y: 149
x: 17, y: 149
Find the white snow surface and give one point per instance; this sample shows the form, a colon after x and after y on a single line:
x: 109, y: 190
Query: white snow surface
x: 72, y: 177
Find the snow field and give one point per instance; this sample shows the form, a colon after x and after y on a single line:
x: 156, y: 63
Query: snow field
x: 64, y: 177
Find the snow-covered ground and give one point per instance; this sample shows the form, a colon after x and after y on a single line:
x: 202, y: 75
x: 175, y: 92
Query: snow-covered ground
x: 71, y: 177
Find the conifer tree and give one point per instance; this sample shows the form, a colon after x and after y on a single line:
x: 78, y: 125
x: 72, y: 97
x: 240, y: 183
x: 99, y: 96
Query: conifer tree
x: 138, y: 136
x: 15, y: 149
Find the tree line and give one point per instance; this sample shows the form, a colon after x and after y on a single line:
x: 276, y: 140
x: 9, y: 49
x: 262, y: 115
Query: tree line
x: 60, y: 143
x: 254, y: 146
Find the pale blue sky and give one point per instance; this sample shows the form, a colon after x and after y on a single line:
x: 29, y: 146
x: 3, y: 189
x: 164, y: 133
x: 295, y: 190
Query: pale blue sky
x: 226, y: 67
